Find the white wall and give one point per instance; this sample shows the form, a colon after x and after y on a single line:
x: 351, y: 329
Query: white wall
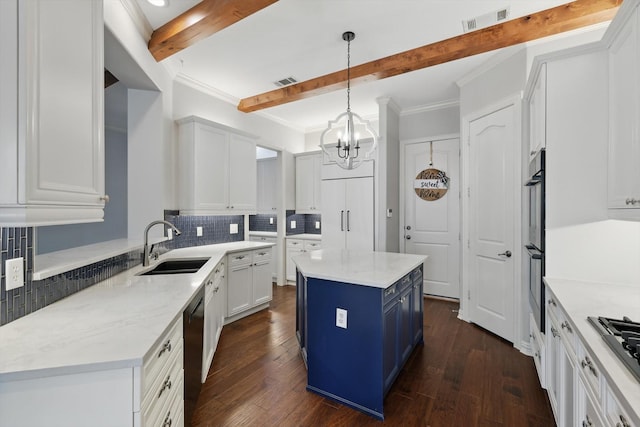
x: 430, y: 122
x: 387, y: 177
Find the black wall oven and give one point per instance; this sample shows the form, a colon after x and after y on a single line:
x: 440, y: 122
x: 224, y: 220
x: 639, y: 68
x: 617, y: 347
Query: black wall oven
x: 535, y: 245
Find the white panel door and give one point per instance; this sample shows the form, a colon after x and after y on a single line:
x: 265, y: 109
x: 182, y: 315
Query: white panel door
x: 242, y: 173
x: 432, y: 228
x: 358, y: 214
x: 333, y: 213
x: 491, y: 213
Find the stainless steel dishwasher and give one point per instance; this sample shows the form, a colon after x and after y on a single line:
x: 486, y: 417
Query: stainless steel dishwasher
x: 193, y: 327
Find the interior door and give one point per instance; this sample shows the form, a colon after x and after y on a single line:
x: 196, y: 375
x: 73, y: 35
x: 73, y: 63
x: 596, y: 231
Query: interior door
x: 432, y: 227
x: 491, y: 221
x: 333, y: 214
x: 359, y: 214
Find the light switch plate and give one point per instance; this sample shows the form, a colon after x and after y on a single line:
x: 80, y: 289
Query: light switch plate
x: 233, y: 228
x: 317, y: 225
x: 341, y: 318
x: 14, y: 273
x: 199, y: 231
x: 293, y: 225
x: 169, y: 234
x: 270, y: 220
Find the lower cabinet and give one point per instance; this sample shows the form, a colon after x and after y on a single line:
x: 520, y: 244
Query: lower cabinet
x: 274, y: 253
x: 148, y: 395
x: 214, y: 313
x: 297, y: 247
x: 249, y: 282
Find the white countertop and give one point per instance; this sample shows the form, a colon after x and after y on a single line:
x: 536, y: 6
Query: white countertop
x: 583, y: 299
x: 264, y: 233
x: 305, y: 236
x: 377, y: 269
x: 111, y: 324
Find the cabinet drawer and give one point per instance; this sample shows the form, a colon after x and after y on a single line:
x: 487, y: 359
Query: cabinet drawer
x: 295, y: 243
x: 614, y: 412
x: 390, y: 293
x: 416, y: 275
x: 239, y: 258
x: 158, y: 359
x: 312, y: 245
x: 567, y: 330
x: 590, y: 370
x: 263, y: 239
x: 163, y: 391
x: 537, y: 345
x: 405, y: 282
x: 263, y: 254
x: 588, y: 411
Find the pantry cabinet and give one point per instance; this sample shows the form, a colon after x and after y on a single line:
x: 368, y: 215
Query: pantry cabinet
x: 217, y: 169
x: 624, y: 110
x: 51, y: 112
x: 308, y: 197
x: 537, y: 105
x: 267, y: 197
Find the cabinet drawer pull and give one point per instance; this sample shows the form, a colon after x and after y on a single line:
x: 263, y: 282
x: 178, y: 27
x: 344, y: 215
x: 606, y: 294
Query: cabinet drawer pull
x: 623, y: 422
x: 631, y: 201
x: 565, y: 325
x: 554, y: 332
x: 165, y: 385
x: 262, y: 253
x: 390, y: 291
x: 587, y: 422
x: 167, y: 420
x: 240, y: 257
x: 165, y: 347
x: 587, y: 363
x: 552, y: 302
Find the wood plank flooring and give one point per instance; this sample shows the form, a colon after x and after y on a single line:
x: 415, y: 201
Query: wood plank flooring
x: 462, y: 376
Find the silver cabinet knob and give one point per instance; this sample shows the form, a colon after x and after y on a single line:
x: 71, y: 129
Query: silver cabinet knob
x: 105, y: 198
x: 407, y: 237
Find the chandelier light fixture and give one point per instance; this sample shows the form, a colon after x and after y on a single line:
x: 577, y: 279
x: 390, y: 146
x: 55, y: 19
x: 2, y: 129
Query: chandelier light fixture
x: 341, y: 141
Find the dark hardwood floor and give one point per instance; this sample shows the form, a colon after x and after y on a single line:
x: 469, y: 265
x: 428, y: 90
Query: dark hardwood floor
x: 462, y: 376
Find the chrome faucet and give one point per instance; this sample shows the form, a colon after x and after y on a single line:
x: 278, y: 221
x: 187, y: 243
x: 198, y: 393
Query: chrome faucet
x: 145, y: 253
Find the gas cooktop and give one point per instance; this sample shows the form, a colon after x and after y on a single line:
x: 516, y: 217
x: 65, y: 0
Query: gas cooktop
x: 623, y: 337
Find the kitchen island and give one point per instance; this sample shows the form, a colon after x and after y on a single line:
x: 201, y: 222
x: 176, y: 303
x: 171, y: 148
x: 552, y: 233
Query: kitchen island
x: 359, y: 317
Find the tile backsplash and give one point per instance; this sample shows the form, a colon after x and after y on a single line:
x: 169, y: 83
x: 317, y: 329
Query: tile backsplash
x: 305, y: 223
x: 215, y: 229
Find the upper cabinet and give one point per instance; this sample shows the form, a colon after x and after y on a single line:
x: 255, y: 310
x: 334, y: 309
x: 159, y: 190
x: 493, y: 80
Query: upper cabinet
x: 266, y: 185
x: 624, y: 113
x: 538, y: 112
x: 51, y: 112
x: 217, y: 169
x: 308, y: 168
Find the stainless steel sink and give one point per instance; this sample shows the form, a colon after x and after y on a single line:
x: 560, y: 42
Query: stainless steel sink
x: 176, y: 266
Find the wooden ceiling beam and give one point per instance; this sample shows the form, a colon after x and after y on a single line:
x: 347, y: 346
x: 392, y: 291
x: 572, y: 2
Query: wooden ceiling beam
x: 199, y: 22
x: 570, y: 16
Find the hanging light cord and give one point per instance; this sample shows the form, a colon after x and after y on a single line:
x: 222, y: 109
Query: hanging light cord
x: 349, y: 75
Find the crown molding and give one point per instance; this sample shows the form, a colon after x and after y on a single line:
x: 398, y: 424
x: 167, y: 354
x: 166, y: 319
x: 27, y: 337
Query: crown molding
x: 389, y: 102
x: 139, y: 20
x: 430, y: 107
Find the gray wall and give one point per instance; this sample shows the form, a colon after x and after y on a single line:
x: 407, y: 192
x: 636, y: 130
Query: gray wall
x: 430, y: 123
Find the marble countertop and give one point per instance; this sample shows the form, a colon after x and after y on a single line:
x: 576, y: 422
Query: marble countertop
x: 264, y: 233
x: 305, y: 236
x: 111, y: 324
x: 580, y: 300
x: 377, y: 269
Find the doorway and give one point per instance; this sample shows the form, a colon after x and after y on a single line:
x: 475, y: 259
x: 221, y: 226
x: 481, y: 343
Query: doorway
x: 431, y: 222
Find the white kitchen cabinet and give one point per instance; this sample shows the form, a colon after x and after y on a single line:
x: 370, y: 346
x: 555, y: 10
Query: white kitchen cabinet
x: 538, y: 112
x: 214, y: 313
x: 217, y: 169
x: 249, y: 283
x: 267, y: 197
x: 624, y: 127
x: 273, y: 264
x: 538, y: 348
x: 297, y: 247
x: 51, y: 112
x: 131, y: 396
x: 308, y: 192
x: 348, y: 214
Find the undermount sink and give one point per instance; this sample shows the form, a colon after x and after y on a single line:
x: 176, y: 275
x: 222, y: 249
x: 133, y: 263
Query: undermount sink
x: 176, y: 266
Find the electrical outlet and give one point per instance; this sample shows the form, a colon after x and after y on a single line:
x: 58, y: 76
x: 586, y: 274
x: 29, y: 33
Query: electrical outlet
x: 199, y: 231
x: 293, y: 225
x: 169, y: 234
x: 317, y: 225
x: 233, y: 228
x: 14, y: 272
x: 341, y: 318
x: 270, y: 220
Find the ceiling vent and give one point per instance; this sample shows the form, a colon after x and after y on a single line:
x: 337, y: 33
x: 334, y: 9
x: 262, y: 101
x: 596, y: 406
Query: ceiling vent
x: 486, y: 20
x: 285, y: 82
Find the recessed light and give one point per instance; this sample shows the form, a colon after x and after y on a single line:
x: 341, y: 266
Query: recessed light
x: 159, y: 3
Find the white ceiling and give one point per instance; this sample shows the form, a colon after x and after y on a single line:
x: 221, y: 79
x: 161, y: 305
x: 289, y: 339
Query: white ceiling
x: 303, y: 39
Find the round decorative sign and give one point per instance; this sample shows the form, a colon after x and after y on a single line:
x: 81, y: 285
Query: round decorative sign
x: 431, y: 184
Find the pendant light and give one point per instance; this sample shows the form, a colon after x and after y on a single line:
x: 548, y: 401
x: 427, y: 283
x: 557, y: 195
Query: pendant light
x: 341, y: 140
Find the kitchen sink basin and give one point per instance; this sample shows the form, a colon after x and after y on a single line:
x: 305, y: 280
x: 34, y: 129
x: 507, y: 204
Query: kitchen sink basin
x: 176, y: 266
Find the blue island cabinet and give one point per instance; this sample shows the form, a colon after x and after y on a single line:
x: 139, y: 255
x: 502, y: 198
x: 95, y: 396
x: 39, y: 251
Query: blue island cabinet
x: 357, y: 364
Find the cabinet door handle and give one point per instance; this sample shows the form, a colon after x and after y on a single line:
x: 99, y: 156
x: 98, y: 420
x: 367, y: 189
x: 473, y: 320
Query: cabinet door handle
x: 348, y: 220
x: 565, y: 325
x: 165, y: 385
x: 587, y: 422
x: 167, y: 421
x: 165, y: 347
x: 554, y: 332
x: 586, y: 362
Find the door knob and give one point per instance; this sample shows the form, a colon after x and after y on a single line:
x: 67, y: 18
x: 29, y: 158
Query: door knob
x: 407, y: 237
x: 506, y: 253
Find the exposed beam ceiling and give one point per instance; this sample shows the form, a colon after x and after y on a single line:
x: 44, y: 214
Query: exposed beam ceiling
x: 199, y: 22
x: 571, y: 16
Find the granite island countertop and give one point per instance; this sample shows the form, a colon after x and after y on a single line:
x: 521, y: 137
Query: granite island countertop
x: 377, y: 269
x: 112, y: 324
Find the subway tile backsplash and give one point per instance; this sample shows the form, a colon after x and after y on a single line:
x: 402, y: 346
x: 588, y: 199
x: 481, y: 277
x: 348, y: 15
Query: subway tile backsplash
x: 215, y: 229
x: 262, y: 222
x: 305, y: 223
